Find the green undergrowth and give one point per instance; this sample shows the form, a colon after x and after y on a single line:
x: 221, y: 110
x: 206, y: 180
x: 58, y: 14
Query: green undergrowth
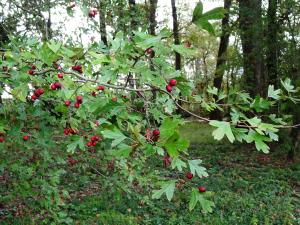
x: 250, y: 188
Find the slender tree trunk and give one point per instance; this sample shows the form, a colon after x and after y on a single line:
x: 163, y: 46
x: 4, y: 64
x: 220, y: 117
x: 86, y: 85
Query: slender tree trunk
x: 250, y: 18
x: 221, y: 61
x: 272, y: 38
x: 102, y: 21
x: 133, y: 15
x: 152, y: 16
x: 176, y: 35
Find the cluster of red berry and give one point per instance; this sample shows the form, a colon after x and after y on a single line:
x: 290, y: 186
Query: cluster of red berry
x: 31, y: 71
x: 172, y: 83
x: 190, y: 176
x: 68, y: 131
x: 37, y: 93
x: 93, y: 141
x: 55, y: 86
x: 77, y: 68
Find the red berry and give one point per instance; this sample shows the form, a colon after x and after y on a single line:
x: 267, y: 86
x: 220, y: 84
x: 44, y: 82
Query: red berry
x: 172, y: 82
x: 57, y: 85
x: 94, y: 143
x: 1, y: 140
x: 53, y: 86
x: 100, y: 88
x: 89, y: 144
x: 97, y: 123
x: 79, y: 99
x: 94, y: 94
x: 202, y: 189
x: 33, y: 67
x: 60, y: 75
x: 95, y: 138
x: 167, y: 160
x: 67, y: 131
x: 67, y: 103
x: 76, y: 105
x: 149, y: 51
x: 39, y: 92
x: 34, y: 97
x: 156, y: 132
x: 169, y: 88
x: 26, y: 138
x: 31, y: 72
x: 189, y: 175
x: 115, y: 99
x: 92, y: 13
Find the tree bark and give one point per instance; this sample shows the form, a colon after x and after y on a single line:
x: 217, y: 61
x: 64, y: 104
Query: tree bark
x: 152, y: 17
x: 103, y: 34
x: 272, y: 38
x: 176, y: 34
x: 250, y: 22
x: 221, y: 60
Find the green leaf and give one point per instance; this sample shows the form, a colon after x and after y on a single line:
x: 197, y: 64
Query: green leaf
x: 214, y: 14
x: 223, y: 128
x: 72, y: 146
x: 260, y: 104
x: 167, y: 188
x: 273, y: 93
x: 116, y: 135
x: 175, y: 144
x: 197, y: 169
x: 21, y: 92
x: 197, y: 11
x: 54, y: 46
x: 178, y: 163
x: 205, y: 25
x: 287, y: 84
x: 212, y: 90
x: 167, y: 129
x: 123, y: 151
x: 259, y: 141
x: 207, y: 206
x: 193, y: 199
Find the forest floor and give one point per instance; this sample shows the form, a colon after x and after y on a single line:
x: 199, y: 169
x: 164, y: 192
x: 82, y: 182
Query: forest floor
x: 250, y: 188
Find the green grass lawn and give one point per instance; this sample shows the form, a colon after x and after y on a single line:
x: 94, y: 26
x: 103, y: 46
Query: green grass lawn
x: 249, y: 188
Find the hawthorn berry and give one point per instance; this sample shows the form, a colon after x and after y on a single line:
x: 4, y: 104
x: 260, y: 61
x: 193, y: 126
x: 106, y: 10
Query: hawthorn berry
x: 33, y: 67
x: 57, y: 85
x: 67, y: 103
x: 100, y: 88
x: 172, y: 82
x: 53, y: 87
x: 94, y: 94
x: 26, y: 138
x: 169, y: 88
x: 156, y: 132
x: 89, y: 144
x: 189, y: 175
x: 34, y: 97
x: 76, y: 105
x: 149, y: 51
x: 1, y: 140
x: 92, y: 13
x: 115, y: 99
x: 95, y: 138
x: 202, y: 189
x: 167, y: 160
x: 40, y: 91
x: 79, y: 99
x: 67, y: 131
x: 60, y: 75
x: 30, y: 72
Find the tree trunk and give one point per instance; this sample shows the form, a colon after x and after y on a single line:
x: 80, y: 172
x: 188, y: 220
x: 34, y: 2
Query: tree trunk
x: 250, y: 21
x: 152, y: 17
x: 221, y: 60
x: 272, y: 37
x: 133, y: 16
x: 176, y: 35
x: 102, y: 9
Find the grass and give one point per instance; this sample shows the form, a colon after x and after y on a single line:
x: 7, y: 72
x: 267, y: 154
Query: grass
x: 250, y: 188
